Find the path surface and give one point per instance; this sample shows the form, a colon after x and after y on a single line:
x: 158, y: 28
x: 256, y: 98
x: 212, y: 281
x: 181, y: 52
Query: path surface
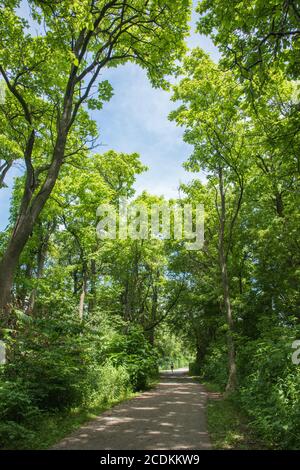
x: 169, y: 417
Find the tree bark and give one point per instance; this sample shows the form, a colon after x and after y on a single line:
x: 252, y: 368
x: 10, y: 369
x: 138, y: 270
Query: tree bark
x: 154, y: 311
x: 231, y: 383
x: 41, y: 260
x: 9, y: 263
x: 31, y: 207
x: 279, y: 204
x: 82, y: 295
x: 93, y: 290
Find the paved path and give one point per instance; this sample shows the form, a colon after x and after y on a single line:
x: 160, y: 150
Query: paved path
x: 169, y: 417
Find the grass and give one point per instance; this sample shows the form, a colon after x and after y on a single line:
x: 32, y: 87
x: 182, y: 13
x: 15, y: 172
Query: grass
x: 50, y: 428
x: 55, y: 427
x: 228, y: 426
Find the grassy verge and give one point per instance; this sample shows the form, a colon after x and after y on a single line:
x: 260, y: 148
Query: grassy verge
x: 51, y: 428
x: 46, y: 429
x: 57, y: 427
x: 228, y: 426
x: 54, y: 428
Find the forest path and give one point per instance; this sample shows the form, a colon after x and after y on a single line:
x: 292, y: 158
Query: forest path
x: 171, y: 416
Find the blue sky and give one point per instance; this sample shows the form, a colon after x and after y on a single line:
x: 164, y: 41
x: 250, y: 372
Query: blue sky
x: 136, y: 120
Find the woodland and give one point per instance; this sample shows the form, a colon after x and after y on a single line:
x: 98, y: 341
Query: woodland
x: 87, y: 322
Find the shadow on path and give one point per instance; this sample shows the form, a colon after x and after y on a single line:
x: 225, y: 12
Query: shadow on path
x: 169, y: 417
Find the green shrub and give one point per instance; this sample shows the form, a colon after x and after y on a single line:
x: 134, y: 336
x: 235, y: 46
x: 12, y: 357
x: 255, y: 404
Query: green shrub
x: 108, y: 383
x: 195, y: 368
x: 215, y: 367
x: 55, y: 357
x: 269, y: 389
x: 13, y: 435
x: 138, y: 357
x: 18, y: 414
x: 16, y: 403
x: 59, y: 363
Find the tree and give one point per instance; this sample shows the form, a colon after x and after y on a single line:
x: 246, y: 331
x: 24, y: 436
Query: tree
x: 68, y: 222
x: 216, y: 127
x: 254, y: 35
x: 52, y: 75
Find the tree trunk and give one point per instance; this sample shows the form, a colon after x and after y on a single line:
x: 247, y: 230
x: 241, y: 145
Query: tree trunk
x: 9, y: 263
x: 199, y: 355
x: 20, y: 296
x: 41, y: 260
x: 279, y: 204
x: 153, y: 313
x: 82, y: 296
x: 231, y: 383
x: 30, y: 210
x: 93, y: 290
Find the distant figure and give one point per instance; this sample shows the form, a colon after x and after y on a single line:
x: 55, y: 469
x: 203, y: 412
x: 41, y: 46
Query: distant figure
x: 172, y: 367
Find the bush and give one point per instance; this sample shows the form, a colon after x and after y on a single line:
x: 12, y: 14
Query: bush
x: 16, y: 403
x: 59, y: 363
x: 55, y: 358
x: 21, y: 419
x: 14, y: 435
x: 138, y: 357
x: 109, y: 383
x: 215, y: 365
x: 270, y: 389
x: 17, y: 413
x: 195, y: 368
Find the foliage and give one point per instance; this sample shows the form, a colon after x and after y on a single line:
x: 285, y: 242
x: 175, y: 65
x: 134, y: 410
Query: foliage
x: 254, y: 35
x: 268, y: 392
x: 228, y: 425
x: 172, y: 349
x: 269, y: 389
x: 214, y: 367
x: 58, y: 365
x: 24, y: 425
x: 89, y: 320
x: 137, y: 356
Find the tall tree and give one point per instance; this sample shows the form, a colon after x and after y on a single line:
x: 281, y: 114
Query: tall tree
x: 216, y: 127
x: 53, y: 74
x: 254, y: 35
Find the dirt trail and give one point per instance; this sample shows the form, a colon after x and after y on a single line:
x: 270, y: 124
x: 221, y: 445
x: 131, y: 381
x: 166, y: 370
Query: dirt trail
x: 171, y: 416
